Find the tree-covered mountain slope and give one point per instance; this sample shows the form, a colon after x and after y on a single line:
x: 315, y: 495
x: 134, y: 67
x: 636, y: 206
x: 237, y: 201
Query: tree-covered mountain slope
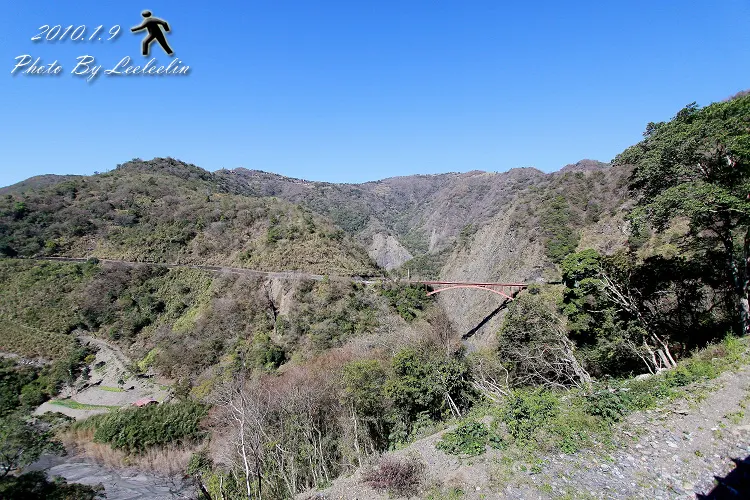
x: 167, y: 211
x: 425, y: 214
x: 183, y: 321
x: 475, y: 226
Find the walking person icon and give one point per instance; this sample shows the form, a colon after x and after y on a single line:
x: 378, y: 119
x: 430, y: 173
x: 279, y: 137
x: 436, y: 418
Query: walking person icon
x: 154, y: 26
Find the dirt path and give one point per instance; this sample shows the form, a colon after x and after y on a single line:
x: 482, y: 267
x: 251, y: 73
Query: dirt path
x: 672, y: 452
x: 282, y: 275
x: 111, y: 384
x: 112, y: 350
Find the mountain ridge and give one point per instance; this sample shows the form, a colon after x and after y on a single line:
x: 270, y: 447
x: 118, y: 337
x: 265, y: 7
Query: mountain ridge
x: 46, y: 179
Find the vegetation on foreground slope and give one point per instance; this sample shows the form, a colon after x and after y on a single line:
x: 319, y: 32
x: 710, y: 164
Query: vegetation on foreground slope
x: 542, y: 421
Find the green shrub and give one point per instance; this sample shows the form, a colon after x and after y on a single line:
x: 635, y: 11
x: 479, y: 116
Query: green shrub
x: 36, y: 485
x: 33, y: 343
x: 470, y: 438
x: 136, y: 429
x: 273, y: 235
x: 38, y: 301
x: 91, y: 423
x: 425, y: 266
x: 422, y: 380
x: 26, y: 387
x: 266, y: 353
x: 407, y: 300
x: 610, y: 406
x: 328, y: 312
x: 556, y: 222
x: 363, y: 383
x: 637, y: 395
x: 32, y: 395
x: 573, y: 428
x: 526, y: 411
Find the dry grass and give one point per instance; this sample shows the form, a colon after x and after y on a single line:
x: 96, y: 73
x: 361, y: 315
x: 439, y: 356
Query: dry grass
x: 170, y: 461
x: 162, y: 461
x: 34, y: 343
x: 82, y: 442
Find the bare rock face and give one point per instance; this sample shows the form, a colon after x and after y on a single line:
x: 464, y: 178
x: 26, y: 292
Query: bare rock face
x: 387, y: 251
x: 499, y: 252
x: 281, y: 294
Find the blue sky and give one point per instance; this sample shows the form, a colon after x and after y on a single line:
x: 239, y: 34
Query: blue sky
x: 360, y: 90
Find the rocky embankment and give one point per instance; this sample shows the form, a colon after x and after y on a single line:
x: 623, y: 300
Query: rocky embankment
x: 686, y: 448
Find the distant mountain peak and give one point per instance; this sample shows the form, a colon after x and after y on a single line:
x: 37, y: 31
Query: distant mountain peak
x: 585, y: 165
x: 168, y: 166
x: 739, y: 94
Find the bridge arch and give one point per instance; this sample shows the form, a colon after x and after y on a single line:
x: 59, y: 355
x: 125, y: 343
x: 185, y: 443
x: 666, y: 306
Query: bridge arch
x: 497, y: 288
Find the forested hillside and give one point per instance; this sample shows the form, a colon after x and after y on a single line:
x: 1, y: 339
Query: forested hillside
x: 454, y: 226
x: 429, y: 215
x: 168, y: 211
x: 288, y: 382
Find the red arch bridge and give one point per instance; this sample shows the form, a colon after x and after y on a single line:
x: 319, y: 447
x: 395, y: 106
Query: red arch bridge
x: 507, y: 290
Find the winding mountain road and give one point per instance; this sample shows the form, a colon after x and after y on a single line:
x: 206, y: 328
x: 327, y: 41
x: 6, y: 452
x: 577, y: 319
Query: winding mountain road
x: 282, y: 275
x: 301, y: 275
